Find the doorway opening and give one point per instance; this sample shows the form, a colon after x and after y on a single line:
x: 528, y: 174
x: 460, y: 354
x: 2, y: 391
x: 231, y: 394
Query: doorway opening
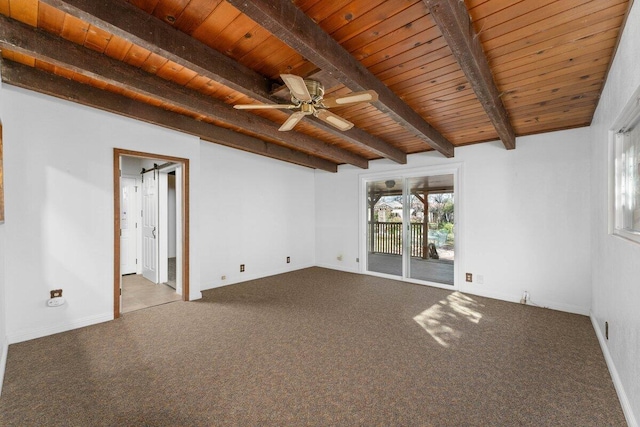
x: 151, y: 233
x: 410, y: 230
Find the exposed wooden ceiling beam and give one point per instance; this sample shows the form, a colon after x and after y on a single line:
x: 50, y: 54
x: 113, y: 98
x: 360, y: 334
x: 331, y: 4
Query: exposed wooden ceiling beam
x: 40, y: 81
x: 283, y: 19
x: 130, y: 23
x: 57, y: 51
x: 454, y: 22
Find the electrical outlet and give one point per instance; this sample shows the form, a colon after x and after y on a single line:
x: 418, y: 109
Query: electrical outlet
x: 469, y: 277
x: 241, y: 268
x: 339, y: 257
x: 288, y: 259
x: 55, y: 302
x: 223, y: 278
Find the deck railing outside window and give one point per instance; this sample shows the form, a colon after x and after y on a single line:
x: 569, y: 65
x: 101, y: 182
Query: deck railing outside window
x: 387, y: 238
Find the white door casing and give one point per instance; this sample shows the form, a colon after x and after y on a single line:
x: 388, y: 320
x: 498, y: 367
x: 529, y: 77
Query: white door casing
x: 150, y: 225
x: 163, y: 225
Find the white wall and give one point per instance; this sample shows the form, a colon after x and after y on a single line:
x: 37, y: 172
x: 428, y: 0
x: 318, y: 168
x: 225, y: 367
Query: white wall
x: 3, y: 307
x: 525, y: 217
x: 616, y: 266
x: 59, y: 207
x: 255, y: 211
x: 59, y: 198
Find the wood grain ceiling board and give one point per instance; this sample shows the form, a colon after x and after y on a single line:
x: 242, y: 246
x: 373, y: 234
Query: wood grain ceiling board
x: 22, y: 10
x: 63, y: 72
x: 353, y: 12
x: 133, y: 55
x: 397, y: 41
x: 232, y: 33
x: 19, y: 58
x: 549, y: 58
x: 168, y: 70
x: 239, y: 37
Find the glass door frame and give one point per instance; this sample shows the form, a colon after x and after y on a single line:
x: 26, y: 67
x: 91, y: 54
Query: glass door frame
x: 454, y: 169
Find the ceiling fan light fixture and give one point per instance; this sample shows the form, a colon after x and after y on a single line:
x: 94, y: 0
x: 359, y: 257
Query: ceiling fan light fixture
x: 307, y: 96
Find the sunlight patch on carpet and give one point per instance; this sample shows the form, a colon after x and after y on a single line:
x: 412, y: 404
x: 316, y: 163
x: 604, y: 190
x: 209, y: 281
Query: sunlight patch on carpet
x: 439, y: 320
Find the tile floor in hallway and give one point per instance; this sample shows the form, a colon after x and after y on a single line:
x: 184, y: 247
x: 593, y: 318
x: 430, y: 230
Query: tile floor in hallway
x: 138, y: 293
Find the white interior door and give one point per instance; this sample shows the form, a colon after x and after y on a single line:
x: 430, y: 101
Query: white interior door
x: 128, y: 225
x: 150, y: 226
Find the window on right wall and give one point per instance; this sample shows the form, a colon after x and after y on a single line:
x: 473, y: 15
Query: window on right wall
x: 626, y: 156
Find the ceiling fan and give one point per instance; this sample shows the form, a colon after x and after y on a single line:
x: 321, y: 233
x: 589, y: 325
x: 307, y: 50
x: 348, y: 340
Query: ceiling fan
x: 307, y: 96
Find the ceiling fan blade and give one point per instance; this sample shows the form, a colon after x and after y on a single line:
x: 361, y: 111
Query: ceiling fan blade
x: 352, y: 98
x: 334, y: 120
x: 264, y: 106
x: 297, y: 86
x: 292, y: 121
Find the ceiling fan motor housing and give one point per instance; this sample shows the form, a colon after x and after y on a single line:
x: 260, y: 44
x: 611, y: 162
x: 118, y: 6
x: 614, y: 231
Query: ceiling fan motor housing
x: 316, y: 90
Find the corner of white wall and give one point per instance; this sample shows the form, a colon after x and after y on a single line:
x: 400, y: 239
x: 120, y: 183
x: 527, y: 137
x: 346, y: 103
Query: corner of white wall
x: 31, y: 333
x: 614, y: 270
x: 615, y: 377
x: 3, y: 362
x: 36, y: 208
x: 4, y: 343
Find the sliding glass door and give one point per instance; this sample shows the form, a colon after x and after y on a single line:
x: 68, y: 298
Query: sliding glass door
x: 431, y: 254
x: 410, y: 228
x: 385, y: 237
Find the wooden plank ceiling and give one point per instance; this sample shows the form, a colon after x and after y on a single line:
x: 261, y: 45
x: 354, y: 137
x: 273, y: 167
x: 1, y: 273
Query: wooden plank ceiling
x: 447, y: 73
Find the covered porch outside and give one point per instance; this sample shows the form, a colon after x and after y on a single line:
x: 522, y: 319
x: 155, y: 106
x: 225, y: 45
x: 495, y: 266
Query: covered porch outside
x: 430, y: 270
x: 428, y: 207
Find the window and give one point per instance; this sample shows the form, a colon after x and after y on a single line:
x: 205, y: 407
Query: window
x: 627, y: 175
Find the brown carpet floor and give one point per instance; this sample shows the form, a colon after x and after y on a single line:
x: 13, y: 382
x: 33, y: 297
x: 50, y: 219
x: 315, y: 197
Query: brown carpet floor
x: 321, y: 348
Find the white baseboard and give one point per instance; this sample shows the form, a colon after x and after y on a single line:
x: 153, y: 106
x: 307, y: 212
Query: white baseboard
x: 3, y: 362
x: 26, y: 335
x: 337, y: 267
x: 568, y: 308
x: 254, y: 276
x: 622, y: 395
x: 194, y: 296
